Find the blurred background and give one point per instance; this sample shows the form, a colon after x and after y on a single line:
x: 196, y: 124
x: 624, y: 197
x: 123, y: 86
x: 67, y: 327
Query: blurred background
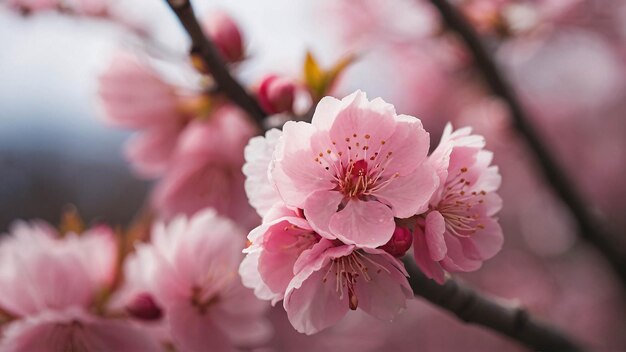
x: 565, y: 58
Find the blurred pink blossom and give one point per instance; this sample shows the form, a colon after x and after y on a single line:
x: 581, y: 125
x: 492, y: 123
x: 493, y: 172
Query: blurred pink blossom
x: 71, y: 330
x: 33, y: 5
x: 134, y: 96
x: 40, y: 271
x: 190, y: 269
x: 48, y: 282
x: 81, y: 7
x: 368, y: 22
x: 206, y: 170
x: 354, y: 168
x: 460, y: 231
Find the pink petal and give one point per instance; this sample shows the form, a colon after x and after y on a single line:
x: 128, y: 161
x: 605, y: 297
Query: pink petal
x: 366, y: 224
x: 409, y: 195
x: 238, y: 314
x: 295, y: 171
x: 313, y: 258
x: 258, y: 154
x: 429, y: 267
x: 251, y: 278
x: 319, y: 208
x: 440, y: 158
x: 485, y: 243
x: 194, y: 256
x: 313, y: 305
x: 150, y: 151
x: 279, y: 256
x: 360, y: 120
x: 194, y: 184
x: 277, y: 211
x: 386, y: 294
x: 434, y: 229
x: 133, y: 95
x: 222, y: 138
x: 326, y: 110
x: 456, y: 260
x: 408, y: 144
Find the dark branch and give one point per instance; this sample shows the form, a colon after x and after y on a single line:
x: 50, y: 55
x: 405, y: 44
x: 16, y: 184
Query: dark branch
x: 589, y: 228
x: 213, y: 60
x: 471, y: 307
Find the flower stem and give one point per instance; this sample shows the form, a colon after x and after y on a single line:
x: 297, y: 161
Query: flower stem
x: 211, y: 57
x: 471, y: 307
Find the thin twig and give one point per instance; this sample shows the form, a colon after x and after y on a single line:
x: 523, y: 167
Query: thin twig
x: 218, y: 68
x: 471, y: 307
x: 589, y: 228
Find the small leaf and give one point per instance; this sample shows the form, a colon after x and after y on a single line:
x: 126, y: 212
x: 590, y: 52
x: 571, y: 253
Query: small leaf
x: 313, y: 74
x: 333, y: 74
x: 320, y: 81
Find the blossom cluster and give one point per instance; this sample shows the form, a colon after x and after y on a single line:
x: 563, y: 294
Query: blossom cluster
x: 187, y: 138
x: 343, y: 197
x: 64, y: 291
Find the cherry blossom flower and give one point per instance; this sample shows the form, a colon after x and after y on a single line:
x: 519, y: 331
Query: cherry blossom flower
x: 460, y: 231
x: 206, y: 171
x: 190, y: 270
x: 134, y: 96
x: 74, y: 330
x: 48, y: 282
x: 41, y: 271
x: 333, y: 278
x: 354, y: 168
x: 275, y: 247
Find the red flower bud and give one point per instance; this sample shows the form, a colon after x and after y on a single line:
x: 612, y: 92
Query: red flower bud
x: 276, y: 94
x: 143, y: 307
x: 399, y: 243
x: 226, y: 35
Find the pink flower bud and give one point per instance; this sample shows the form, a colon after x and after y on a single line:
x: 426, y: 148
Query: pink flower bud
x: 226, y: 35
x: 276, y: 94
x: 399, y: 243
x: 143, y: 307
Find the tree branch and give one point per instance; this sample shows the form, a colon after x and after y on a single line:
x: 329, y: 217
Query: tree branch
x: 589, y: 228
x: 471, y: 307
x: 209, y: 53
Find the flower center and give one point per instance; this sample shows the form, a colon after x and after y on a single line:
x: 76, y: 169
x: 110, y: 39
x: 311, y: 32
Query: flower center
x: 202, y: 304
x: 347, y: 270
x: 357, y: 166
x: 303, y: 239
x: 355, y: 180
x: 460, y: 206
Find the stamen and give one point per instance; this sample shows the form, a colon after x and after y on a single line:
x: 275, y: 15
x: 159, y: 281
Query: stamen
x: 457, y: 206
x: 347, y: 271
